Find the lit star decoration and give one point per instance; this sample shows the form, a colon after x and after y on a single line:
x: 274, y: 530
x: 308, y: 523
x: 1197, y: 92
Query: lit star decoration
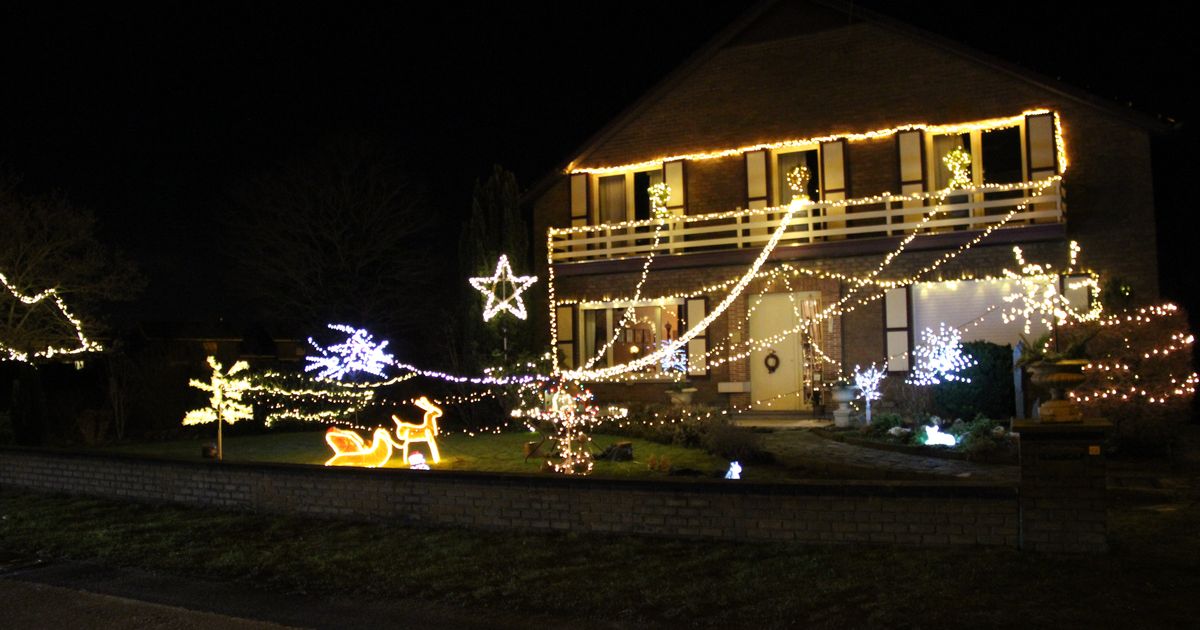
x: 867, y: 381
x: 958, y: 161
x: 358, y: 353
x: 939, y: 357
x: 659, y: 194
x: 499, y: 299
x: 9, y: 353
x: 797, y: 180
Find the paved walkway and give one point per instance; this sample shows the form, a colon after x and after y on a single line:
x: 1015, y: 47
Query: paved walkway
x: 804, y: 449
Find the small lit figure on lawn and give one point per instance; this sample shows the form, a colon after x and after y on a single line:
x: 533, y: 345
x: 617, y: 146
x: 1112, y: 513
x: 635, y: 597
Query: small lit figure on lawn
x: 735, y: 471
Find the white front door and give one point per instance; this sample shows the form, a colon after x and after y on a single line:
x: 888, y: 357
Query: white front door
x: 777, y: 370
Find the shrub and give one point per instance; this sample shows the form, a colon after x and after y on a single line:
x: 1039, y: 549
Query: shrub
x: 693, y: 426
x: 882, y: 423
x: 724, y: 439
x: 980, y: 437
x: 990, y: 391
x: 1145, y: 356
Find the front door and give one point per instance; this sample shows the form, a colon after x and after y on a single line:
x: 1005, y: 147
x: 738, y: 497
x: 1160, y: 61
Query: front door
x: 777, y: 370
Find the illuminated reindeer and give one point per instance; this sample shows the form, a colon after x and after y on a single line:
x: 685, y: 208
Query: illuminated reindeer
x: 350, y: 449
x: 407, y: 433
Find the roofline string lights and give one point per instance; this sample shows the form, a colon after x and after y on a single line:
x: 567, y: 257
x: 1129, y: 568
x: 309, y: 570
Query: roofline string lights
x: 9, y: 353
x: 932, y: 129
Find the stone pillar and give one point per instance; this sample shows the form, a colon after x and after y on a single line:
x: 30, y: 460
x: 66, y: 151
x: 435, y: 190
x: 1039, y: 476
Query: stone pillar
x: 1063, y: 504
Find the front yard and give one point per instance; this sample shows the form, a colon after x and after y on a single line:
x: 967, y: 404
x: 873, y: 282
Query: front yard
x: 500, y: 452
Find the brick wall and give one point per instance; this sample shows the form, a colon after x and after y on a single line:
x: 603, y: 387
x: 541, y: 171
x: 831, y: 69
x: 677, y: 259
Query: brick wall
x: 1063, y: 494
x: 818, y: 512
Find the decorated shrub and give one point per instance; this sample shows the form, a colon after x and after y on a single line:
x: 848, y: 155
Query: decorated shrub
x: 1140, y: 374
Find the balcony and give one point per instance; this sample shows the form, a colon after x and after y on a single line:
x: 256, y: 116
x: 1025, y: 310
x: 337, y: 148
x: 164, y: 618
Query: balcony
x: 827, y: 228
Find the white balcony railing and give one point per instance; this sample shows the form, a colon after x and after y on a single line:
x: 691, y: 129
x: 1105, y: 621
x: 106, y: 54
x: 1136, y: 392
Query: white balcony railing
x: 822, y: 222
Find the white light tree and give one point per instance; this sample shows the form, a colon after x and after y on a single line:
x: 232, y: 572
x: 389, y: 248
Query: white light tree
x: 225, y: 404
x: 868, y: 381
x: 940, y: 357
x: 358, y: 353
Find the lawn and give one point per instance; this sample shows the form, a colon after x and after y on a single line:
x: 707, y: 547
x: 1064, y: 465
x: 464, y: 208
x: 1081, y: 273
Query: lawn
x: 1149, y: 580
x: 487, y: 452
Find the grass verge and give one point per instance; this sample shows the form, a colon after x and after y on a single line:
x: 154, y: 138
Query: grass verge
x: 1149, y: 580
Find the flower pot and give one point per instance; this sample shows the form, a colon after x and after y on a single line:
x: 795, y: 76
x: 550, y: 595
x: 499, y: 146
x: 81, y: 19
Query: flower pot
x: 842, y: 395
x: 1059, y: 377
x: 681, y: 396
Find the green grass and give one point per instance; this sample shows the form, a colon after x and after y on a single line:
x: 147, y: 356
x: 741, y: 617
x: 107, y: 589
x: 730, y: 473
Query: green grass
x: 1149, y: 580
x: 487, y: 452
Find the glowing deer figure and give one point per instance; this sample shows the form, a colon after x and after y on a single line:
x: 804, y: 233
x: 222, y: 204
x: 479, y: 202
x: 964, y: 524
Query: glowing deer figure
x: 407, y: 433
x: 350, y: 450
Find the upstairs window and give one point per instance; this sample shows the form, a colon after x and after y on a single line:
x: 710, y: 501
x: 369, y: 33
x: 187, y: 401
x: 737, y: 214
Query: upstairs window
x: 626, y: 196
x: 785, y: 163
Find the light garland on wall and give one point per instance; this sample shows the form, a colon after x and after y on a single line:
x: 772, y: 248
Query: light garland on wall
x: 698, y: 327
x: 1037, y: 185
x: 839, y: 308
x: 659, y: 193
x: 989, y: 124
x: 85, y: 345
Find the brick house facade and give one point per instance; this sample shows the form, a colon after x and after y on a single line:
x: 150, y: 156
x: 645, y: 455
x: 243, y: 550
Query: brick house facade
x: 881, y: 102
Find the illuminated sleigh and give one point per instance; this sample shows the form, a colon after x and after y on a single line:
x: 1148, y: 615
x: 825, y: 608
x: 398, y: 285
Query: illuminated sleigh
x: 351, y: 450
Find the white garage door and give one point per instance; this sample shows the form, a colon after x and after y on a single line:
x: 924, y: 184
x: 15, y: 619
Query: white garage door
x: 972, y: 306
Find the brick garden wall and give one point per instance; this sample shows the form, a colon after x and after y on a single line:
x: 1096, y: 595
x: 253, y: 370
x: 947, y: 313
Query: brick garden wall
x: 815, y: 512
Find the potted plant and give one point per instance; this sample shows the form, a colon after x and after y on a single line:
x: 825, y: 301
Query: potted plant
x: 1059, y: 371
x: 680, y: 392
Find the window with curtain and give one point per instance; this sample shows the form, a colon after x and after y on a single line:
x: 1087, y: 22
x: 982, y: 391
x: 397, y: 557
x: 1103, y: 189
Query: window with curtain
x: 612, y: 199
x: 645, y: 331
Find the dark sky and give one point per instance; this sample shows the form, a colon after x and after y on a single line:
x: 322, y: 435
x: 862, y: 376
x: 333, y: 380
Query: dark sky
x: 149, y: 115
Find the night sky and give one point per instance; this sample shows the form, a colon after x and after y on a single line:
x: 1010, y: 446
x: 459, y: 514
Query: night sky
x: 150, y: 115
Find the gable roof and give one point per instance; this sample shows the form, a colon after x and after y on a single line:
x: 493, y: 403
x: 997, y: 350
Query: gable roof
x: 830, y: 13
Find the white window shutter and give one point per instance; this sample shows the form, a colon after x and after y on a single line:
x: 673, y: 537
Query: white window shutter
x: 697, y: 309
x: 897, y: 329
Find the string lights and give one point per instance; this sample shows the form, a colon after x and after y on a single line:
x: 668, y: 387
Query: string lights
x: 84, y: 345
x: 225, y: 404
x: 990, y: 124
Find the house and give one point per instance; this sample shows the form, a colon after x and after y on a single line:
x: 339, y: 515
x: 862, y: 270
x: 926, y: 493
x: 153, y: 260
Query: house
x: 860, y: 112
